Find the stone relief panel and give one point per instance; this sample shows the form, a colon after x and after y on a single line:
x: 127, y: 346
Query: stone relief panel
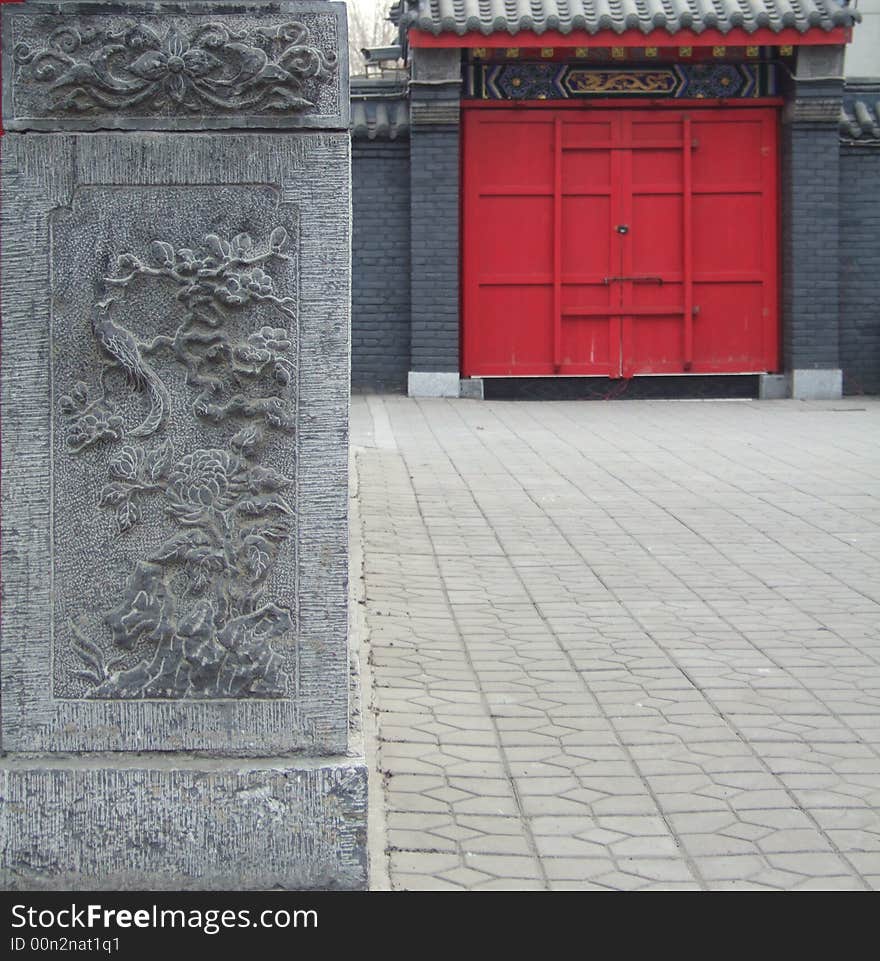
x: 95, y: 69
x: 175, y: 350
x: 175, y: 390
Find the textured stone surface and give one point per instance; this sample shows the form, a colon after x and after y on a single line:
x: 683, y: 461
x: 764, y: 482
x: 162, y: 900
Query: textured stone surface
x: 624, y: 645
x: 88, y: 196
x: 137, y: 825
x: 154, y: 66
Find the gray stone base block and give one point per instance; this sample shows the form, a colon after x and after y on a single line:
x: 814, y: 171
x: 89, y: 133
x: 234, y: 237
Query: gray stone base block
x: 131, y: 823
x: 440, y: 383
x: 471, y: 387
x: 772, y: 386
x: 815, y: 384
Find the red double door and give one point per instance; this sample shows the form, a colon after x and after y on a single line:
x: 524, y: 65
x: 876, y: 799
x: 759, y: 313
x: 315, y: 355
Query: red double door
x: 616, y: 242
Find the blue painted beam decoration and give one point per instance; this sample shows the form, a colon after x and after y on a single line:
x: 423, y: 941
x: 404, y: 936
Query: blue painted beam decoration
x: 525, y: 80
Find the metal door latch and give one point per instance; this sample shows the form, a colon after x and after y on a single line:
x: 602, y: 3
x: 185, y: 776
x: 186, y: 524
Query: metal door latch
x: 635, y: 280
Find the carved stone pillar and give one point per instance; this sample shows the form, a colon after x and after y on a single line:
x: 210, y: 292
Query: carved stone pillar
x: 176, y: 263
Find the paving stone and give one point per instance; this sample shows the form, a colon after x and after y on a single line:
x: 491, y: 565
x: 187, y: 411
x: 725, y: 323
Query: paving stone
x: 635, y: 804
x: 415, y: 862
x: 657, y: 869
x: 557, y: 846
x: 672, y: 886
x: 413, y: 802
x: 713, y: 845
x: 416, y: 820
x: 419, y: 841
x: 843, y: 883
x: 497, y: 844
x: 465, y: 877
x: 511, y: 884
x: 556, y: 826
x: 576, y: 886
x: 577, y: 868
x: 688, y: 803
x: 739, y: 885
x: 647, y: 847
x: 543, y: 804
x: 867, y: 863
x: 813, y: 864
x: 487, y: 805
x: 422, y: 882
x: 503, y: 866
x: 729, y: 868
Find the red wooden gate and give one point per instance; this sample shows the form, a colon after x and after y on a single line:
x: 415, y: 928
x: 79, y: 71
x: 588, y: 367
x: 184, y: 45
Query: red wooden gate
x: 615, y: 242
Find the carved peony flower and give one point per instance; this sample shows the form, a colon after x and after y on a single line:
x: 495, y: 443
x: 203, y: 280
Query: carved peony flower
x: 175, y: 64
x: 207, y: 478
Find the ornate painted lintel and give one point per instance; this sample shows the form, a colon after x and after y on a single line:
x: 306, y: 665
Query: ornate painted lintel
x: 572, y: 81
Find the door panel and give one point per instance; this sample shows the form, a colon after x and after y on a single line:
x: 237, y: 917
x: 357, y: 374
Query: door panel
x: 729, y: 331
x: 509, y: 329
x: 588, y: 328
x: 619, y: 242
x: 652, y: 207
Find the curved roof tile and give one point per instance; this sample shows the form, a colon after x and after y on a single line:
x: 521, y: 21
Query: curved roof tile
x: 513, y: 16
x: 860, y: 121
x: 377, y: 118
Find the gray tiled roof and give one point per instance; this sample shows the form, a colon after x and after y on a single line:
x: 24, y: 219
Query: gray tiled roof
x: 511, y: 16
x: 379, y: 110
x: 860, y: 121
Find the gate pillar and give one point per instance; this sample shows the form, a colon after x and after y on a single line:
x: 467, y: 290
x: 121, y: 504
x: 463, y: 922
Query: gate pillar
x: 435, y: 92
x: 811, y: 224
x: 176, y: 262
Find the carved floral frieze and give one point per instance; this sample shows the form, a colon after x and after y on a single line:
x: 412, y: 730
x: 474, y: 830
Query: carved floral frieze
x: 207, y: 66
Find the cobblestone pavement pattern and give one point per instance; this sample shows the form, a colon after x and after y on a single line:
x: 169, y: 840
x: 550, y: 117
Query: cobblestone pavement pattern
x: 623, y: 645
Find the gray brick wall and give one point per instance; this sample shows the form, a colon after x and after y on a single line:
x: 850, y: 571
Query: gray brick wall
x: 809, y: 237
x: 380, y: 294
x: 435, y: 267
x: 860, y: 269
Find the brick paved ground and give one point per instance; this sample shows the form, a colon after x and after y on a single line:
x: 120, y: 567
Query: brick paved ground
x: 622, y: 645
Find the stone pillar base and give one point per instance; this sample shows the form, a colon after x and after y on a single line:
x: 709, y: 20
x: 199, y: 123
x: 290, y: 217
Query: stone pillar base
x: 824, y: 384
x: 472, y: 388
x: 772, y: 386
x: 137, y: 823
x: 430, y: 383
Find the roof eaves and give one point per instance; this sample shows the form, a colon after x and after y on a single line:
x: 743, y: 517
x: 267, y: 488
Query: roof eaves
x: 721, y: 15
